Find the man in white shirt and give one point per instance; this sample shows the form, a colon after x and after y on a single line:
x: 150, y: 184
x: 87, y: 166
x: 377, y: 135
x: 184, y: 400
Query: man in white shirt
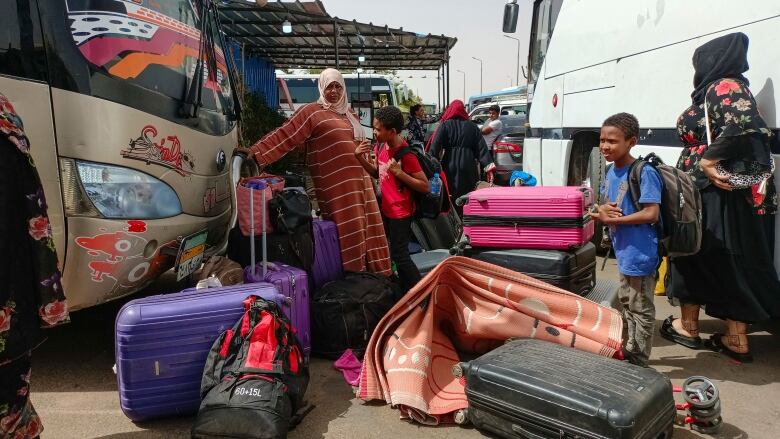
x: 492, y: 127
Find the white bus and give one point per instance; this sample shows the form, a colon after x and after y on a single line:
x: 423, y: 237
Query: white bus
x: 591, y: 59
x: 366, y: 92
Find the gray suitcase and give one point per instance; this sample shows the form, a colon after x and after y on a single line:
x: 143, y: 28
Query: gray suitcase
x: 537, y: 389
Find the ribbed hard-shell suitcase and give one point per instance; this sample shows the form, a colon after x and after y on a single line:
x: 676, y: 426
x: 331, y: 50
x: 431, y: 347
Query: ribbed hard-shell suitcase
x: 327, y: 254
x: 606, y: 293
x: 293, y: 284
x: 573, y: 270
x: 536, y: 389
x: 162, y: 342
x: 540, y: 217
x: 291, y: 281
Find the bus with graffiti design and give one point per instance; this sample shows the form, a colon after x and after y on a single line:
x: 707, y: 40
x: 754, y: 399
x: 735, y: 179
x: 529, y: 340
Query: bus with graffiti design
x: 131, y: 113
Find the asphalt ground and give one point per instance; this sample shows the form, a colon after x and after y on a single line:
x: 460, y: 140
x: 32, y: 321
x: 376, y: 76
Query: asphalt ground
x: 74, y: 388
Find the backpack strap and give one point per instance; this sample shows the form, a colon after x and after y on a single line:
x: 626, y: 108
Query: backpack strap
x: 634, y: 182
x: 402, y: 152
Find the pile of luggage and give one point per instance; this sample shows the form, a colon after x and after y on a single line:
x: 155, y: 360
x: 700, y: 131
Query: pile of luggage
x: 236, y: 348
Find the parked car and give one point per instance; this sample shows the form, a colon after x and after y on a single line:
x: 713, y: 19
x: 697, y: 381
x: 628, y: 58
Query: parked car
x: 508, y: 148
x: 518, y: 107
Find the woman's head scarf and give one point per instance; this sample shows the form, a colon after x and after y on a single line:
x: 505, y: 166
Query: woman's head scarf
x: 327, y: 77
x: 456, y: 110
x: 723, y: 57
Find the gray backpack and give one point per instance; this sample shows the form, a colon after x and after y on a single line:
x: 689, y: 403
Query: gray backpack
x: 679, y: 231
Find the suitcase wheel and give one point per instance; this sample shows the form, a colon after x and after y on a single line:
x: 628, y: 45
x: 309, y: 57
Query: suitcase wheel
x: 459, y: 370
x: 462, y: 416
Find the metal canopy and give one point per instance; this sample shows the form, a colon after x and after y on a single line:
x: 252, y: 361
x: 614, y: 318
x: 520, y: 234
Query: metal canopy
x: 313, y: 42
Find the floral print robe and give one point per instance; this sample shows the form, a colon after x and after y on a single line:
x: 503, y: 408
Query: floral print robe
x: 31, y: 295
x: 734, y: 123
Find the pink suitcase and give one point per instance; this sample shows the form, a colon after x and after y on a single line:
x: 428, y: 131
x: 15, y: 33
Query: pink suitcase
x: 538, y: 217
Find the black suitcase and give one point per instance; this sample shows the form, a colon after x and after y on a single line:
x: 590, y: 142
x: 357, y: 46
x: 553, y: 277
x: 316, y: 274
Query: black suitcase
x: 536, y: 389
x: 606, y: 293
x: 439, y: 233
x: 427, y: 261
x: 573, y: 271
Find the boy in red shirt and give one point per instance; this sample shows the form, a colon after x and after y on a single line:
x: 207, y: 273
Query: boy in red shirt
x: 396, y: 183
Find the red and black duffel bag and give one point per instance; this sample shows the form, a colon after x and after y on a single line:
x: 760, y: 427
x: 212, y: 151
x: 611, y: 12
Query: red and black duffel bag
x: 254, y: 379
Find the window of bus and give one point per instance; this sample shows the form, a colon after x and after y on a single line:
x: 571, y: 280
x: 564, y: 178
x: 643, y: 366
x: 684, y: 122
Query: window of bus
x: 303, y: 90
x: 136, y: 53
x: 22, y: 53
x: 544, y: 18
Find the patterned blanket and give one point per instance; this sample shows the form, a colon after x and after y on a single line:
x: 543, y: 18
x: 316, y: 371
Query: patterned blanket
x: 466, y: 307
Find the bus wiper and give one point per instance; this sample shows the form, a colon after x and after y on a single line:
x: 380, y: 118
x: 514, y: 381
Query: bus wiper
x: 193, y: 95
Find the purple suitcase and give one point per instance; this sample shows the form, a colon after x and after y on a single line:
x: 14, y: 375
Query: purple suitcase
x: 327, y: 254
x: 162, y: 343
x: 293, y: 284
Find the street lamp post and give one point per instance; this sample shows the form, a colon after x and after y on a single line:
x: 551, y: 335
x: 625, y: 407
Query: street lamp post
x: 464, y: 84
x: 480, y: 73
x: 517, y: 82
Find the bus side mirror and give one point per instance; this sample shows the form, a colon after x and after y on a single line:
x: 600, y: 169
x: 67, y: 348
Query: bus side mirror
x: 511, y: 11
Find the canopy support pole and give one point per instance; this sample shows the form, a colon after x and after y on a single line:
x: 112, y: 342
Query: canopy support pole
x: 448, y: 76
x: 336, y: 42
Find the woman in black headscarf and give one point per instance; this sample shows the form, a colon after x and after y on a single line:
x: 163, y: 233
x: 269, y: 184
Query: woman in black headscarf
x: 732, y: 276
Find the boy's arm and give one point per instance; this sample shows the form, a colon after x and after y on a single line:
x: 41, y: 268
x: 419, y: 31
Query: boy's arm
x: 416, y: 181
x: 648, y: 215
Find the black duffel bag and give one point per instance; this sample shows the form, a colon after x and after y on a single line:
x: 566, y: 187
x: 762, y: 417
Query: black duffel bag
x: 290, y: 210
x: 345, y: 312
x: 254, y: 379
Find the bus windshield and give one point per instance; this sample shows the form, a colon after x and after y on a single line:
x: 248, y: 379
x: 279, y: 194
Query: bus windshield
x: 141, y: 53
x: 544, y: 18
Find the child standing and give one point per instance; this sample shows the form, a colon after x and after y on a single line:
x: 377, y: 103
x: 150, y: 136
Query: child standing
x: 633, y: 233
x: 397, y: 180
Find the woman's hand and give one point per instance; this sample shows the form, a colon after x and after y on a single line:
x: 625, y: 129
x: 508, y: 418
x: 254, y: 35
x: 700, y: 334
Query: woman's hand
x: 363, y: 149
x: 245, y: 151
x: 719, y: 180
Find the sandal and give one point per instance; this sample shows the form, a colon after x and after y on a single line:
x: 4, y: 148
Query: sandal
x: 668, y: 332
x: 715, y: 343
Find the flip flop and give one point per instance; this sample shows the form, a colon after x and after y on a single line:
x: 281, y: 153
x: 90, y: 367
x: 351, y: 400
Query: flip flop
x: 668, y: 332
x: 715, y: 343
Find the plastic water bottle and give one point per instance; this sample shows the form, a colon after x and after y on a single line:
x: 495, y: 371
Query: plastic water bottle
x: 435, y: 183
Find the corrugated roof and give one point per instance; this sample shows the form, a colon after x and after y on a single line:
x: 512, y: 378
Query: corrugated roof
x: 312, y: 42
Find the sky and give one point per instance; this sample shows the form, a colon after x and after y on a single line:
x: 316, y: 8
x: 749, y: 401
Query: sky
x: 475, y: 23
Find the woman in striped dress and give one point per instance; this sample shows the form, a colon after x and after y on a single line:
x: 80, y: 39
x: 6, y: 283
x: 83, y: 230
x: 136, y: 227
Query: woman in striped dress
x: 328, y: 130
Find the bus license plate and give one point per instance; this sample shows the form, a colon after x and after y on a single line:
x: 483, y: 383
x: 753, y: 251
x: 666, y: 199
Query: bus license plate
x: 190, y: 255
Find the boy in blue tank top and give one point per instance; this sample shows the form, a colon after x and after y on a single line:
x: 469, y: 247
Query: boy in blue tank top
x: 633, y: 233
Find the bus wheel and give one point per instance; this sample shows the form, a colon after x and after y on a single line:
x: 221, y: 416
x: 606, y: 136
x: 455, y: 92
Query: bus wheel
x: 587, y: 166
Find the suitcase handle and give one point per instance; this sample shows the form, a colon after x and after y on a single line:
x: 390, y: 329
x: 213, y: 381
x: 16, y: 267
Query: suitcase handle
x: 528, y: 435
x: 463, y: 200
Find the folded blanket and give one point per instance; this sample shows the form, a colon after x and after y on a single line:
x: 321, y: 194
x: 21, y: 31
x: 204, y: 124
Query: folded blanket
x: 471, y: 307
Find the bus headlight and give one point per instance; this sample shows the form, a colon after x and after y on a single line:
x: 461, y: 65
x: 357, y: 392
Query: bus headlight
x: 124, y: 193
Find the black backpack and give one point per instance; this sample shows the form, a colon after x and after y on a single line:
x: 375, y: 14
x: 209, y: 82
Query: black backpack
x: 345, y: 312
x: 679, y: 232
x: 427, y: 205
x: 254, y: 379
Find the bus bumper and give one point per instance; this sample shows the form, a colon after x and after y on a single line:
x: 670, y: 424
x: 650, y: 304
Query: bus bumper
x: 107, y: 259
